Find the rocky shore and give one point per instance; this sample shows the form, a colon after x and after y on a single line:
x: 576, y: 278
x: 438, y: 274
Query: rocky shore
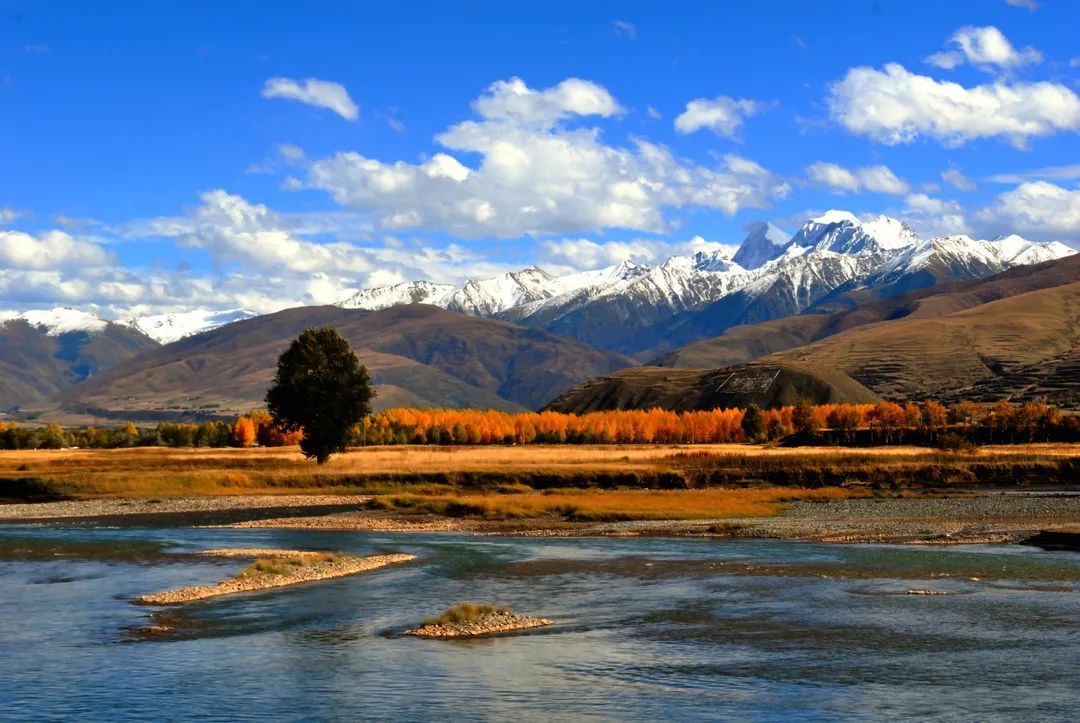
x: 491, y: 623
x: 959, y: 519
x: 308, y: 566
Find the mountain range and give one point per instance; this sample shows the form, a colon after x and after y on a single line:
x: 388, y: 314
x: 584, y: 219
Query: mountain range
x: 641, y: 310
x: 1015, y: 335
x: 535, y: 334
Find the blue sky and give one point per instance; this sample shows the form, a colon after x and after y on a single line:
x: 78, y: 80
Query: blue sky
x: 163, y: 156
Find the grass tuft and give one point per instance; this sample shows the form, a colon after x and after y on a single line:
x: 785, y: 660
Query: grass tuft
x: 280, y: 566
x: 466, y: 612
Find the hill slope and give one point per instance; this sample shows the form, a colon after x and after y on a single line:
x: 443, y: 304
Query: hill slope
x: 767, y: 385
x: 418, y: 355
x: 44, y: 352
x: 997, y: 342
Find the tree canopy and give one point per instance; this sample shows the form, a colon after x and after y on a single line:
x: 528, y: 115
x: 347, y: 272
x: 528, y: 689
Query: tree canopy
x: 321, y: 389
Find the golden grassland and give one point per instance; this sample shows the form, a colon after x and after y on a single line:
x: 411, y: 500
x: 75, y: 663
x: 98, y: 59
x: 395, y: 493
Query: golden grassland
x: 610, y: 505
x: 171, y: 472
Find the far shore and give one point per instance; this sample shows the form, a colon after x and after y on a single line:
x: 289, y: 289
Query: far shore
x: 987, y: 517
x: 885, y: 494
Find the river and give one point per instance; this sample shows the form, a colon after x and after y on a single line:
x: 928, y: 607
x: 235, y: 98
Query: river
x: 647, y: 629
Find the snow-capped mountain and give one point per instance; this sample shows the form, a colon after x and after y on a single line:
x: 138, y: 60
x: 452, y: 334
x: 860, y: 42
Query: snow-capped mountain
x: 61, y: 320
x: 959, y: 257
x: 409, y: 292
x: 629, y: 306
x: 173, y: 326
x: 763, y: 243
x: 843, y: 233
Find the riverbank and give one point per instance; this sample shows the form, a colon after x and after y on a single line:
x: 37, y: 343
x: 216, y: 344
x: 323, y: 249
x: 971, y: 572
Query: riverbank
x: 967, y: 519
x: 276, y: 568
x: 989, y: 517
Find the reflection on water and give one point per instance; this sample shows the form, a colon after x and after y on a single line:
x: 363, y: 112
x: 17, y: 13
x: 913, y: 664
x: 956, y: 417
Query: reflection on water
x: 647, y: 629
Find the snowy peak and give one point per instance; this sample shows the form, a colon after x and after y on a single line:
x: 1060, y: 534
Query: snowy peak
x: 61, y: 320
x: 1019, y: 251
x: 169, y: 327
x: 841, y: 232
x: 715, y: 262
x: 968, y: 258
x: 834, y: 217
x: 763, y: 243
x: 890, y: 233
x: 487, y: 297
x: 411, y: 292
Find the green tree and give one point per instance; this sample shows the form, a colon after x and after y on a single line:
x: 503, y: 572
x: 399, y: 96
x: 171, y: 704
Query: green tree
x: 322, y: 389
x: 753, y: 424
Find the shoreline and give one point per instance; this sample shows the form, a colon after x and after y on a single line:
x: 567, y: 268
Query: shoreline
x: 987, y: 518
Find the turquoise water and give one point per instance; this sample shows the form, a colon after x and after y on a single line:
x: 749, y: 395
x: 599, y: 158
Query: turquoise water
x: 648, y: 629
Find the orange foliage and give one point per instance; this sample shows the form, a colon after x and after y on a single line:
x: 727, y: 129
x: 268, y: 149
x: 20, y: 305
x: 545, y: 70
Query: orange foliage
x: 243, y: 432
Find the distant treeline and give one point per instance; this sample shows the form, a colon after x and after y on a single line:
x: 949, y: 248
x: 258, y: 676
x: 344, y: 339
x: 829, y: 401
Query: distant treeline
x: 928, y: 422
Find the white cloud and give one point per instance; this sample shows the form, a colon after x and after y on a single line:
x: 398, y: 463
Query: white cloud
x: 722, y: 115
x: 878, y: 179
x: 931, y: 216
x: 234, y: 231
x: 50, y: 250
x: 319, y: 93
x: 7, y: 215
x: 1029, y: 4
x: 1038, y: 209
x: 958, y: 180
x: 625, y: 29
x: 653, y: 113
x: 536, y: 176
x: 1050, y: 173
x: 581, y: 254
x: 896, y: 106
x: 984, y: 47
x: 834, y: 176
x: 946, y: 59
x: 512, y: 100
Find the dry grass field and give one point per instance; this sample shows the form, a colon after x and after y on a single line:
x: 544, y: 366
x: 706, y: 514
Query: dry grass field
x: 162, y: 472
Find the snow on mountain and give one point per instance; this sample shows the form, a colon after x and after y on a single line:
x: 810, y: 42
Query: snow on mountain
x: 603, y: 278
x: 173, y: 326
x: 890, y: 233
x: 834, y: 250
x: 488, y: 297
x: 763, y: 243
x: 841, y: 232
x: 410, y: 292
x: 61, y: 320
x: 1018, y: 251
x: 961, y: 257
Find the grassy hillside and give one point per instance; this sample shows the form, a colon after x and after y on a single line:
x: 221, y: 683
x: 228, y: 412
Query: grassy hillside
x: 35, y: 366
x: 737, y: 386
x: 418, y: 356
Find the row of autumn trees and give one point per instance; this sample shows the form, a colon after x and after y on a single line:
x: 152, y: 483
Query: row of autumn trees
x: 883, y: 423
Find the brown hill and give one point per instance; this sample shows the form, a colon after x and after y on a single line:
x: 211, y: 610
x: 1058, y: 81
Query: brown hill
x: 418, y: 356
x: 767, y: 385
x: 34, y: 366
x: 992, y: 345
